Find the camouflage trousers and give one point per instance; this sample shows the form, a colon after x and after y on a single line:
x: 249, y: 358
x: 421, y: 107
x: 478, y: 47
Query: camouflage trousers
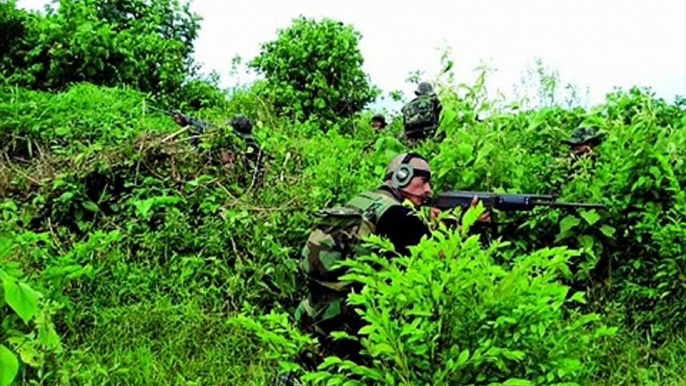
x: 346, y: 320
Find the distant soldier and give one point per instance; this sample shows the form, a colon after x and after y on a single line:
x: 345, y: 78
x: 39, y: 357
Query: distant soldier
x: 582, y: 145
x: 378, y: 122
x: 584, y: 140
x: 185, y: 120
x: 243, y: 129
x: 421, y: 115
x: 253, y: 155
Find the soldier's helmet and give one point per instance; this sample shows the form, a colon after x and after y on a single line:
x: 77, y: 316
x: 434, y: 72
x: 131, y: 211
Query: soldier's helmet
x: 583, y: 136
x: 424, y: 88
x: 379, y: 118
x: 241, y: 125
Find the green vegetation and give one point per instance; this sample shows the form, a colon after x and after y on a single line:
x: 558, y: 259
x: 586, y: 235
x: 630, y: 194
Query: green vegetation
x: 130, y: 256
x: 146, y: 45
x: 314, y: 70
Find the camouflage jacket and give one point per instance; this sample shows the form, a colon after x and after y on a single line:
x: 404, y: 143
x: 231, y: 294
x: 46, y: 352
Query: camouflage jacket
x: 329, y: 243
x: 422, y: 113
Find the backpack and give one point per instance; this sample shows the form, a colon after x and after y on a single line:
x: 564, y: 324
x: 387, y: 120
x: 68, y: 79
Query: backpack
x: 338, y: 235
x: 419, y: 113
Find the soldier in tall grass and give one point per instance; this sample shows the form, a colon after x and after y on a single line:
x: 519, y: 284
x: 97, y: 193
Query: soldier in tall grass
x: 388, y: 212
x: 421, y: 116
x: 583, y: 142
x: 378, y: 122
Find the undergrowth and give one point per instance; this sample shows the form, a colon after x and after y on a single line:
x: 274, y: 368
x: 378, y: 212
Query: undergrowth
x: 130, y: 255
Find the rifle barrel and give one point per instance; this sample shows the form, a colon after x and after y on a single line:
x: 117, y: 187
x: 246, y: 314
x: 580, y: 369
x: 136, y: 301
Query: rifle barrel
x: 556, y: 204
x: 162, y: 111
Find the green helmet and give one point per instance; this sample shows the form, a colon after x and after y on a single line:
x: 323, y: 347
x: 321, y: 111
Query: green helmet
x: 424, y: 88
x: 583, y: 136
x: 241, y: 124
x: 379, y: 118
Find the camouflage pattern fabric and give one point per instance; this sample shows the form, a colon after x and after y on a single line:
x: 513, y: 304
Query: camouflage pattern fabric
x: 421, y: 117
x: 582, y: 136
x: 336, y: 237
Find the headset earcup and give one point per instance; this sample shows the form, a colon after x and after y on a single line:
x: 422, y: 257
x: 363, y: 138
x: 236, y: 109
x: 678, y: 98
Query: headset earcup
x: 403, y: 176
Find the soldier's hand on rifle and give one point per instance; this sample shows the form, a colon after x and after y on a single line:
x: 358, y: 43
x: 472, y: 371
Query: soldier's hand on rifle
x: 435, y: 212
x: 485, y: 216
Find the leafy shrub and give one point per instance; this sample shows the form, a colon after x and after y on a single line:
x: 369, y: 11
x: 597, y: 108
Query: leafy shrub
x: 28, y: 339
x: 637, y: 172
x: 449, y: 314
x: 146, y: 45
x: 12, y: 26
x: 314, y: 69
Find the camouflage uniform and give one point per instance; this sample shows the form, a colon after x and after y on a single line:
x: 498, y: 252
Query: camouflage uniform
x: 325, y: 309
x: 421, y: 116
x: 583, y: 136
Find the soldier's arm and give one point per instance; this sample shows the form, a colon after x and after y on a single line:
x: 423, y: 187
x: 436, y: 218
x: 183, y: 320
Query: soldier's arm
x: 402, y: 228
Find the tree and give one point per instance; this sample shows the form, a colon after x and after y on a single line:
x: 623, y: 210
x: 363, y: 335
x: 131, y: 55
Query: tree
x: 314, y: 70
x: 144, y: 44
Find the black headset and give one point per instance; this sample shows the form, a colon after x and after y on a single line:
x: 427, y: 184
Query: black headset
x: 404, y: 173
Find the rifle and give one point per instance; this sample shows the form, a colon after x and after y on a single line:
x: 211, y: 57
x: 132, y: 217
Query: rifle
x: 504, y: 202
x: 186, y: 120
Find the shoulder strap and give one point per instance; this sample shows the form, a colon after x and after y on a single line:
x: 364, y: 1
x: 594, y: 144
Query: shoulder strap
x: 374, y: 203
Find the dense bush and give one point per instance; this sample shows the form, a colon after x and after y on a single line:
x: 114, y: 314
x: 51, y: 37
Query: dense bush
x: 314, y: 70
x: 449, y: 314
x: 144, y: 44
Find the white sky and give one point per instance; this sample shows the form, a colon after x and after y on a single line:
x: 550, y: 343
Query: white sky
x: 597, y: 44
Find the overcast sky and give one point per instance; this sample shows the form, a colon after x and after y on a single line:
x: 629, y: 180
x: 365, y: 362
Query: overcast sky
x: 597, y: 44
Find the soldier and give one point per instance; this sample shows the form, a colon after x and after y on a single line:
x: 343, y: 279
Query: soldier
x: 378, y: 122
x: 200, y: 126
x: 243, y: 129
x: 582, y: 145
x: 421, y: 115
x: 584, y: 140
x: 253, y: 155
x: 385, y: 211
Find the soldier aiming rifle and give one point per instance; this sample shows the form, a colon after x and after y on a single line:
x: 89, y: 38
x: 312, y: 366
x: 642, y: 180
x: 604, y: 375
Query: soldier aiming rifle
x: 184, y: 120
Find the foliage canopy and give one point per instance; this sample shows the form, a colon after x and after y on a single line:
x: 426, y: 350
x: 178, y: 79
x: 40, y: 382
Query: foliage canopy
x: 314, y: 69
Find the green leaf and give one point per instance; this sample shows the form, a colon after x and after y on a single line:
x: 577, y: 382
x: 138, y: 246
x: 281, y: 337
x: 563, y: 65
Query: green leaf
x: 608, y: 231
x: 517, y: 382
x: 568, y: 223
x: 464, y: 356
x: 22, y: 298
x: 591, y: 217
x: 579, y: 297
x: 62, y: 131
x: 6, y: 245
x: 587, y: 242
x: 381, y: 348
x: 90, y: 205
x: 9, y: 366
x: 328, y: 362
